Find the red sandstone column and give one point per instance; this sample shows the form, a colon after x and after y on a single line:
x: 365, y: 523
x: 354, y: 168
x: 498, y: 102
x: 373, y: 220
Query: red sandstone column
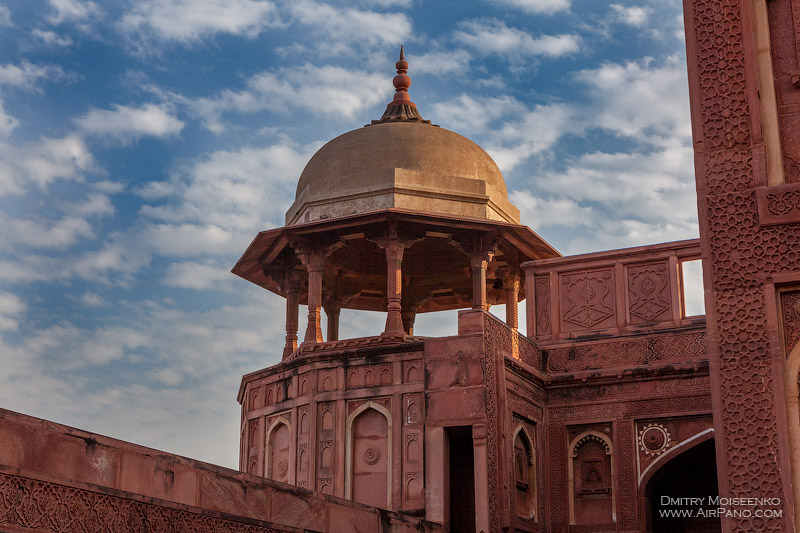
x: 332, y: 311
x: 314, y: 261
x: 394, y: 284
x: 292, y: 317
x: 479, y: 441
x: 408, y: 320
x: 511, y: 288
x: 479, y: 263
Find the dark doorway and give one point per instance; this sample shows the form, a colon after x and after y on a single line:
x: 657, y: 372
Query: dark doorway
x: 462, y: 480
x: 692, y: 474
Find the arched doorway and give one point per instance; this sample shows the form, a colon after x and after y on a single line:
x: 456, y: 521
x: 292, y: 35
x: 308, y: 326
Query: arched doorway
x: 690, y: 474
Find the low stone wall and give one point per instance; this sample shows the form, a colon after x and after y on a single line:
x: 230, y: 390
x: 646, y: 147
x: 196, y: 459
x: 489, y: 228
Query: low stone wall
x: 58, y: 478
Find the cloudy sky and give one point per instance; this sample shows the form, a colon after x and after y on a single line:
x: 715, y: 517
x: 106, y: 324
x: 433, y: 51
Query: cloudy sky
x: 143, y: 143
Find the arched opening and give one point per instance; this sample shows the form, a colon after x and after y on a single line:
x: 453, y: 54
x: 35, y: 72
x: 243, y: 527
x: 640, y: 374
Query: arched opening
x: 369, y: 456
x: 524, y: 476
x: 689, y: 475
x: 278, y: 452
x: 792, y: 392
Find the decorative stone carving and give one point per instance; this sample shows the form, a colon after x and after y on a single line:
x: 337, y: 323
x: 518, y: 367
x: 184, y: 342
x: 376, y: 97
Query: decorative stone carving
x: 587, y: 300
x: 649, y: 293
x: 790, y: 305
x: 664, y: 347
x: 27, y: 504
x: 654, y: 439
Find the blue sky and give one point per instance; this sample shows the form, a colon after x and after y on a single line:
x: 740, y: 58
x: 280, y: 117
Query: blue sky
x: 144, y: 143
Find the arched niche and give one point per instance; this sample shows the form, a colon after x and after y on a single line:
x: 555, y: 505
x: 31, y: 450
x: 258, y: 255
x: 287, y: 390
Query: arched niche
x: 525, y: 480
x: 368, y: 460
x: 591, y: 479
x: 791, y: 375
x: 278, y: 457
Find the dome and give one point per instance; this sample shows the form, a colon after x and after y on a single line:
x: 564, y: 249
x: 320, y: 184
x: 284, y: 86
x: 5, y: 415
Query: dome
x: 402, y: 164
x: 401, y: 161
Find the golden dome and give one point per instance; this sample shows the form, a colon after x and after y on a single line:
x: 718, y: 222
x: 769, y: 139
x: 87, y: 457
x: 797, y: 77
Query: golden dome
x: 401, y: 161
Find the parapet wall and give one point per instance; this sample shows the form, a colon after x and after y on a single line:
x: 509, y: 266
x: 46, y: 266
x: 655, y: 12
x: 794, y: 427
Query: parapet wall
x: 52, y: 476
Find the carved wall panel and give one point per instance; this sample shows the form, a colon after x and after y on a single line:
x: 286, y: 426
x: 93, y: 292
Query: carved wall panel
x: 587, y: 300
x: 542, y: 301
x: 412, y: 371
x: 326, y: 439
x: 256, y: 398
x: 305, y: 384
x: 255, y: 439
x: 790, y: 310
x: 663, y: 347
x: 304, y: 449
x: 326, y: 380
x: 649, y: 295
x: 27, y: 504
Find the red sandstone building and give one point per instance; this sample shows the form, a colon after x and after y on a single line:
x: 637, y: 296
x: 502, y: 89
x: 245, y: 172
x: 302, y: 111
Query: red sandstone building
x: 614, y: 400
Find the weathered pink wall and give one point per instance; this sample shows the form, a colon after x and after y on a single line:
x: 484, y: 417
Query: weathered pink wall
x: 57, y: 478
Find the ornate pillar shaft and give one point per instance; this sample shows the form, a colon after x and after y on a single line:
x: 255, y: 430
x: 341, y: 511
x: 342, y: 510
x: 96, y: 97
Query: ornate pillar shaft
x: 314, y: 262
x: 479, y: 263
x: 394, y: 285
x: 292, y: 317
x: 332, y: 312
x: 511, y: 288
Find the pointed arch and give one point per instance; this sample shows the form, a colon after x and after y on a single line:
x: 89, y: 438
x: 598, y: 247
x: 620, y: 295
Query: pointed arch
x: 525, y: 478
x: 374, y: 463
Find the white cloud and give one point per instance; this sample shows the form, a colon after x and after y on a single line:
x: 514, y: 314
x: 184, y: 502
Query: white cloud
x: 39, y: 233
x: 91, y: 299
x: 198, y: 276
x: 73, y: 11
x: 470, y: 114
x: 51, y: 38
x: 493, y: 37
x: 389, y: 3
x: 538, y: 6
x: 220, y: 199
x: 5, y: 16
x: 189, y: 21
x: 125, y: 123
x: 531, y: 133
x: 7, y: 123
x: 615, y: 233
x: 655, y: 186
x: 11, y: 308
x: 42, y: 162
x: 541, y: 213
x: 27, y: 75
x: 336, y: 28
x: 641, y: 98
x: 440, y: 63
x: 345, y: 93
x: 636, y: 16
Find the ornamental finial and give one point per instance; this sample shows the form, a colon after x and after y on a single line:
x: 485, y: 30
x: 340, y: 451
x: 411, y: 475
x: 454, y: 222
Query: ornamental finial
x: 401, y: 82
x: 401, y: 108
